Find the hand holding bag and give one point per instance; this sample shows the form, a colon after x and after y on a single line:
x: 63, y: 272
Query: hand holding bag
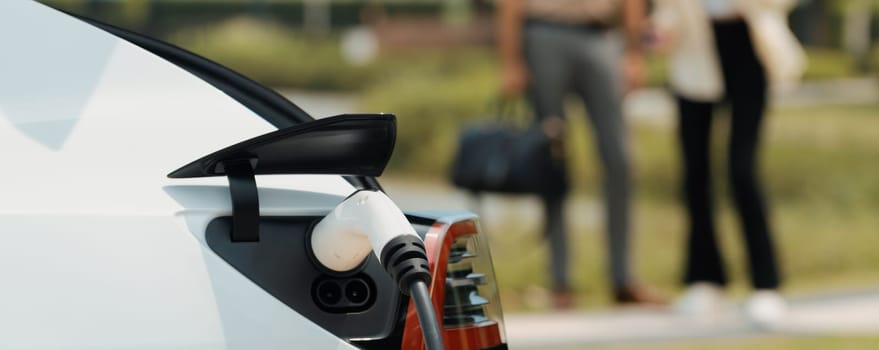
x: 500, y: 156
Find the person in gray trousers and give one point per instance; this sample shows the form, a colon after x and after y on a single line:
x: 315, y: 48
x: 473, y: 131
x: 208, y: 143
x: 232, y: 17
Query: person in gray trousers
x: 549, y: 48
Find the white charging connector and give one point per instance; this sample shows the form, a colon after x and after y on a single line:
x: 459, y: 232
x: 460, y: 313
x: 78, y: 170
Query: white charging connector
x: 365, y: 221
x: 369, y: 220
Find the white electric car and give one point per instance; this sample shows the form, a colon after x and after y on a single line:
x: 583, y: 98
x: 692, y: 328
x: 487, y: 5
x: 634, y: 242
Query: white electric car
x: 152, y: 199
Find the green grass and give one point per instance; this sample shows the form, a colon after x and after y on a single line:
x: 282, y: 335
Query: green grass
x: 820, y: 169
x: 279, y: 56
x: 433, y: 96
x: 276, y: 56
x: 780, y: 343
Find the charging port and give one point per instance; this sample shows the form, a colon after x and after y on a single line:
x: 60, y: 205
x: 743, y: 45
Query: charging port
x: 344, y: 294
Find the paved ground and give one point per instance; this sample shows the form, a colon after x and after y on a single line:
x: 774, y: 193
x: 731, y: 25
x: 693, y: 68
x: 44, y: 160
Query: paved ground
x: 838, y: 313
x: 833, y: 314
x: 656, y: 105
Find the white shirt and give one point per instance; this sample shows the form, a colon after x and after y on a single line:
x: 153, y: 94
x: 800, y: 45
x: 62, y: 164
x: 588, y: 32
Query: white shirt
x: 721, y: 8
x: 694, y: 68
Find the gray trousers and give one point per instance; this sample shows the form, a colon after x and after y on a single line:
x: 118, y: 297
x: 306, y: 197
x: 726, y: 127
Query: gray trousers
x: 563, y: 59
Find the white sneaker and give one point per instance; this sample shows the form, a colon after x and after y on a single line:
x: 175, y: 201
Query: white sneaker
x: 766, y: 308
x: 700, y: 299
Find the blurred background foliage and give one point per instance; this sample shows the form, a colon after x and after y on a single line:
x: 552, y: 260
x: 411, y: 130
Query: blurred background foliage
x: 279, y: 57
x: 820, y: 162
x: 437, y: 88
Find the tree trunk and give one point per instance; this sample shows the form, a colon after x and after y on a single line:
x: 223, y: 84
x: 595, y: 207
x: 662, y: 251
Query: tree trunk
x: 856, y: 33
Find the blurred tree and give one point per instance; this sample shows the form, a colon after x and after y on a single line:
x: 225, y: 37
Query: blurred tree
x: 73, y: 5
x: 317, y: 18
x: 135, y: 13
x: 856, y: 33
x: 457, y: 12
x: 259, y: 8
x: 815, y: 28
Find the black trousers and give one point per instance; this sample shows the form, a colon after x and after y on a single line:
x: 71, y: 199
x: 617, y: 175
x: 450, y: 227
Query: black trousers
x: 746, y: 90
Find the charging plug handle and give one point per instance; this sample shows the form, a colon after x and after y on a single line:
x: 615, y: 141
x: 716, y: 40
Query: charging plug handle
x: 405, y: 259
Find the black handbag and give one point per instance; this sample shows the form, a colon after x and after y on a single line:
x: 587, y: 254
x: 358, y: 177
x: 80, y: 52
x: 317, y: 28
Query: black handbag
x: 500, y: 156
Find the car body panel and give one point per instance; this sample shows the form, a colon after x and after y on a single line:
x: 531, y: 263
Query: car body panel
x: 100, y: 249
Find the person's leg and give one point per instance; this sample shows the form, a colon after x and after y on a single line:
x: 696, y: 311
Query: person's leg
x: 747, y: 90
x: 558, y: 242
x: 703, y: 262
x: 545, y: 57
x: 598, y: 82
x: 747, y: 116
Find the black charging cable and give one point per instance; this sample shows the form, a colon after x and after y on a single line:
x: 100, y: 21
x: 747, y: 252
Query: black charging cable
x: 405, y: 259
x: 430, y: 328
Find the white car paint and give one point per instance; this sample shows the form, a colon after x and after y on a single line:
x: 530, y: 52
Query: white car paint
x: 98, y: 249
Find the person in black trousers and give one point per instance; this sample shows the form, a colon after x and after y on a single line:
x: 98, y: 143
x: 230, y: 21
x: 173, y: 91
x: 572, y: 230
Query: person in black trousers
x: 727, y: 52
x: 745, y: 84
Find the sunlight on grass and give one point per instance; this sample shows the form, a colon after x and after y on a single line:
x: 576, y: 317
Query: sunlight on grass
x: 820, y: 167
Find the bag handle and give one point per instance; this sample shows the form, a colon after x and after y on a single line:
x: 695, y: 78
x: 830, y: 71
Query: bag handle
x: 504, y: 108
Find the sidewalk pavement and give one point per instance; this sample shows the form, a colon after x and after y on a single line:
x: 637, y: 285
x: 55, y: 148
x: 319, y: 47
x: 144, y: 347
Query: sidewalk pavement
x: 828, y: 314
x: 842, y: 314
x: 657, y: 105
